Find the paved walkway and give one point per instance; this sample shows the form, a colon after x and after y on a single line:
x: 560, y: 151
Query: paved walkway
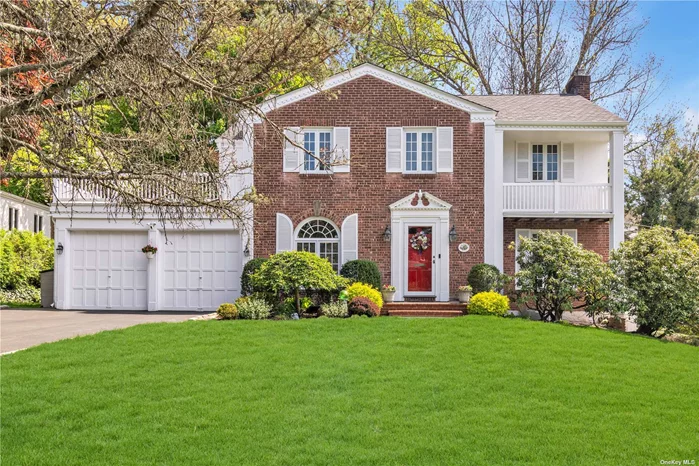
x: 22, y: 328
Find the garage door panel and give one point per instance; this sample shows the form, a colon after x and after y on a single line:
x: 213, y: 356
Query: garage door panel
x: 108, y: 270
x: 204, y: 258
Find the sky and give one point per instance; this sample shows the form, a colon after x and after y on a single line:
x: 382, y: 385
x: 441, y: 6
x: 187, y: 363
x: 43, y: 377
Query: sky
x: 673, y: 35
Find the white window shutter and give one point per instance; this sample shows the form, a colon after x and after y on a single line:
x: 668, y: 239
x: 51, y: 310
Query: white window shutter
x: 522, y: 164
x: 285, y: 233
x: 445, y: 149
x: 350, y: 238
x: 568, y: 162
x: 394, y: 150
x: 341, y: 138
x: 572, y: 233
x: 292, y: 161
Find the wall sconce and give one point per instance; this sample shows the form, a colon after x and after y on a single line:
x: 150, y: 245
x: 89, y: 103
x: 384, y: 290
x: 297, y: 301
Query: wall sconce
x: 387, y: 233
x: 59, y: 249
x: 246, y: 251
x: 452, y: 234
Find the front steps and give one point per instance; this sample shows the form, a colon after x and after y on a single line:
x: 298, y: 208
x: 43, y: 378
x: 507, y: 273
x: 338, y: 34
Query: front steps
x: 425, y: 309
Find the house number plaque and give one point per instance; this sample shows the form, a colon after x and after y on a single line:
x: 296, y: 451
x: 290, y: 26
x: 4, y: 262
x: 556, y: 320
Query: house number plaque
x: 463, y: 247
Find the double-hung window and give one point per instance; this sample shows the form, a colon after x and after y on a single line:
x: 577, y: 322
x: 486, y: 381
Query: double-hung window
x: 419, y: 151
x: 544, y: 162
x: 317, y: 145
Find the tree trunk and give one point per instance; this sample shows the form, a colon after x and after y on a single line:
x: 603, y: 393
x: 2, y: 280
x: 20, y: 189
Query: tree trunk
x: 298, y: 302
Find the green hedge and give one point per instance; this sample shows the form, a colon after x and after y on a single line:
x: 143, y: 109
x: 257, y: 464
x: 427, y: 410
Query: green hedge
x: 363, y: 271
x: 22, y: 256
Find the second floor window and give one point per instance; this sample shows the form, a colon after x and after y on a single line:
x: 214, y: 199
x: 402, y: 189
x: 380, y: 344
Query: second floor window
x: 317, y: 146
x: 419, y: 151
x: 544, y: 162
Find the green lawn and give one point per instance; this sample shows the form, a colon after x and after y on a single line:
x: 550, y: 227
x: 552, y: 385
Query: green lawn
x: 471, y: 390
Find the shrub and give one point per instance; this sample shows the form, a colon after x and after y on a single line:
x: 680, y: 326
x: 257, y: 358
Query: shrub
x: 489, y: 303
x: 27, y: 296
x: 227, y: 311
x: 367, y: 291
x: 363, y: 271
x: 554, y: 272
x: 485, y: 277
x: 660, y: 276
x: 253, y: 308
x: 361, y: 306
x: 22, y: 256
x: 249, y: 268
x: 289, y: 272
x: 336, y: 309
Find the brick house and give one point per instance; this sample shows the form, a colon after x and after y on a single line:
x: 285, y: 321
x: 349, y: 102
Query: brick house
x: 424, y: 183
x: 471, y: 174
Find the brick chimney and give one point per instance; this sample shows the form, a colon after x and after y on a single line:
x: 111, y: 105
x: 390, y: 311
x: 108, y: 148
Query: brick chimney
x: 579, y: 84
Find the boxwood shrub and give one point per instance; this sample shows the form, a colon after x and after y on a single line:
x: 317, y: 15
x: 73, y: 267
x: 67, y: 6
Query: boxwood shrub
x: 485, y: 277
x: 363, y: 271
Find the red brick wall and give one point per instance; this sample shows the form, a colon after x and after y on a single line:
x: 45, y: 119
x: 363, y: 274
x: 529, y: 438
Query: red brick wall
x: 593, y: 235
x: 368, y: 105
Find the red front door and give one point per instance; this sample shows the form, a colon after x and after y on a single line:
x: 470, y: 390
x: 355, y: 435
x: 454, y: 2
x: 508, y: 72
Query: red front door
x: 420, y: 259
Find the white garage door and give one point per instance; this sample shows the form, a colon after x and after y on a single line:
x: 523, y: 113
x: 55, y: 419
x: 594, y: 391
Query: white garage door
x: 109, y: 270
x: 200, y: 270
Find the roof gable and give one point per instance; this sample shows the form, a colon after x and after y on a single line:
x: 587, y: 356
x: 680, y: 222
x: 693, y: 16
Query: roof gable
x: 478, y: 112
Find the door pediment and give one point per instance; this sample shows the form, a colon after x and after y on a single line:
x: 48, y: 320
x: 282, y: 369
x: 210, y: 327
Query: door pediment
x: 420, y: 201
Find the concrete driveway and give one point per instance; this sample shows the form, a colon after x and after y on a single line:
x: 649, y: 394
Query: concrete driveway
x: 22, y: 328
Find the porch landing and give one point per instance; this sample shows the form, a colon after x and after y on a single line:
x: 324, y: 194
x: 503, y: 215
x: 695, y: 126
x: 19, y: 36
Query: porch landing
x: 425, y: 309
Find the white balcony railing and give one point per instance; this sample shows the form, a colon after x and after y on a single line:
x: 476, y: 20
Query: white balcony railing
x: 555, y: 198
x: 79, y: 190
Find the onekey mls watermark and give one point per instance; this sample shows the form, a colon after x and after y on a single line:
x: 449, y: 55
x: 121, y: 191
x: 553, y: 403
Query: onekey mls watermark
x: 678, y: 462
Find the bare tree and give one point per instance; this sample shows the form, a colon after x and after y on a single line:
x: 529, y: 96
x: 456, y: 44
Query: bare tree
x: 125, y: 98
x: 531, y: 47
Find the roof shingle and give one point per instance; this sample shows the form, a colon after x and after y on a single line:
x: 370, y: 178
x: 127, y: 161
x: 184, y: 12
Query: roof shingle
x: 553, y: 108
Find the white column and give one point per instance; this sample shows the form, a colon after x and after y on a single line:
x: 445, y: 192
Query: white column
x: 153, y: 267
x: 493, y: 222
x: 61, y: 268
x: 443, y: 260
x: 498, y: 203
x: 397, y: 274
x: 616, y: 178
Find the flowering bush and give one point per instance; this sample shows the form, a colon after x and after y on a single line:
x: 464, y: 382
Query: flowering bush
x: 253, y: 308
x: 489, y: 303
x: 367, y: 291
x: 27, y: 296
x: 361, y: 306
x: 336, y: 309
x: 227, y: 311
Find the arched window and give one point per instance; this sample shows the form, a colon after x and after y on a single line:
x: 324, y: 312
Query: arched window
x: 320, y: 237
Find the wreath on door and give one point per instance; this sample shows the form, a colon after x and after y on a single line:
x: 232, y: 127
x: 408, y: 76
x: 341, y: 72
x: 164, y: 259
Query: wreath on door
x: 420, y: 241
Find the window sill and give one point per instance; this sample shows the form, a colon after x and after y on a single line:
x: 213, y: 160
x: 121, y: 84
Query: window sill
x: 420, y: 174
